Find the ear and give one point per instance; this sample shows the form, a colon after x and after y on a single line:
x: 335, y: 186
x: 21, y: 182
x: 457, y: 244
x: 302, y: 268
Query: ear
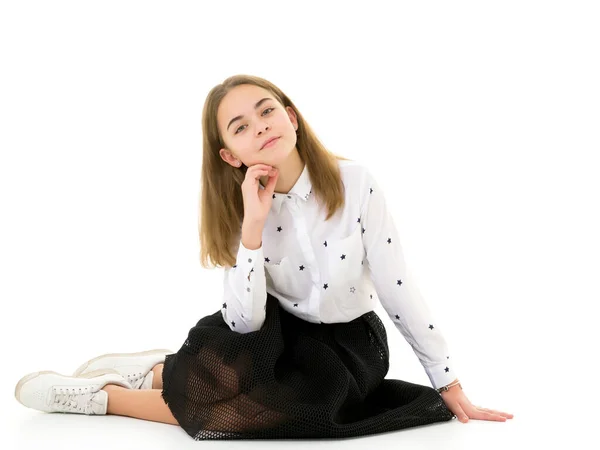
x: 292, y: 115
x: 229, y: 158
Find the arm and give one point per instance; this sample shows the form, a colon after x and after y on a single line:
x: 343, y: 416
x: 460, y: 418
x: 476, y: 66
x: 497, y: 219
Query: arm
x: 244, y: 284
x: 398, y: 293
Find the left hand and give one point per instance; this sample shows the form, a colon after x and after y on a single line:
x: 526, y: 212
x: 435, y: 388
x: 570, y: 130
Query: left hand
x: 459, y: 404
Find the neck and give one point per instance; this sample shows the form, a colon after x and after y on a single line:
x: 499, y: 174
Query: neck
x: 289, y: 172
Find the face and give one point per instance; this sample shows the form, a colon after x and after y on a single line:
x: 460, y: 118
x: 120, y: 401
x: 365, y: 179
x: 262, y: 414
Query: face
x: 253, y: 126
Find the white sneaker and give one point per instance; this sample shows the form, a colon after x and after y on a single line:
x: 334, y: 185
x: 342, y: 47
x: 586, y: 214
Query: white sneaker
x: 136, y: 368
x: 52, y: 392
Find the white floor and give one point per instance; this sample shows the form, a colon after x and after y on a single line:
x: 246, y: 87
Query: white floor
x: 31, y: 430
x: 541, y: 414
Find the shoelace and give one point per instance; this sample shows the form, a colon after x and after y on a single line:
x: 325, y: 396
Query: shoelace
x: 69, y: 400
x: 135, y: 380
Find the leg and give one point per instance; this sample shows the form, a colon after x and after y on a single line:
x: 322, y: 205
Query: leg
x: 157, y: 382
x: 146, y: 404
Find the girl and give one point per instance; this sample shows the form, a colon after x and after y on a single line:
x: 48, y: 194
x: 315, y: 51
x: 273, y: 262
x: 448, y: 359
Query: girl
x: 308, y: 247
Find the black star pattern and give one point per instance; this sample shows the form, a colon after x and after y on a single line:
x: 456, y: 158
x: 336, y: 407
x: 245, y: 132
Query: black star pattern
x: 325, y: 286
x: 267, y: 259
x: 447, y: 369
x: 352, y: 289
x: 343, y: 257
x: 252, y: 270
x: 273, y: 195
x: 430, y: 327
x: 447, y: 357
x: 225, y: 305
x: 295, y: 305
x: 370, y: 190
x: 233, y: 323
x: 248, y: 289
x: 301, y: 267
x: 399, y: 282
x: 325, y: 243
x: 397, y: 316
x: 362, y: 263
x: 358, y: 220
x: 389, y: 241
x: 363, y: 230
x: 234, y: 266
x: 371, y: 295
x: 279, y: 229
x: 289, y: 196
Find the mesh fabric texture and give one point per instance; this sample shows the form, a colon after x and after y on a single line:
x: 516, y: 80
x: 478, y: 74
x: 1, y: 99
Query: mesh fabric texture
x: 292, y: 379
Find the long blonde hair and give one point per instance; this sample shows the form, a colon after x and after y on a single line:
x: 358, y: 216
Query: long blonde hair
x: 222, y: 207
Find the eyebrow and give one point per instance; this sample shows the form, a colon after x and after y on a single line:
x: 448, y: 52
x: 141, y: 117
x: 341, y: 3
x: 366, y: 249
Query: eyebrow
x: 258, y: 103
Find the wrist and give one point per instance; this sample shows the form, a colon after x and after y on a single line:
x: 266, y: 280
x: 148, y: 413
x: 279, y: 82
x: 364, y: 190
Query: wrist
x: 455, y: 384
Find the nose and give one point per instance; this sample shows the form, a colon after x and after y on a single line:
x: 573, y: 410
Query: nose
x: 261, y: 127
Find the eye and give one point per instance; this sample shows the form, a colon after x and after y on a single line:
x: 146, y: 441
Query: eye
x: 236, y: 131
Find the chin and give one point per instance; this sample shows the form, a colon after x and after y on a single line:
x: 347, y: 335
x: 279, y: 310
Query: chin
x: 276, y: 157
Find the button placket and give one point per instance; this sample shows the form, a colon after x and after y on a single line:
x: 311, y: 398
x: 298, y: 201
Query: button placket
x: 309, y: 255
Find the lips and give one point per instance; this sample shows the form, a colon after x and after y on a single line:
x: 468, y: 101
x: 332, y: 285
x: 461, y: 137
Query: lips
x: 270, y: 140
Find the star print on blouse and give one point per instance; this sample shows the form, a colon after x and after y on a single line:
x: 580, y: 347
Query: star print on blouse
x: 374, y: 215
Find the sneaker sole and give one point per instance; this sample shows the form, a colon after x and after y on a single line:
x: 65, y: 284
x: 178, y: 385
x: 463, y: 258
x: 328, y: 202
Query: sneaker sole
x: 110, y: 355
x: 33, y: 375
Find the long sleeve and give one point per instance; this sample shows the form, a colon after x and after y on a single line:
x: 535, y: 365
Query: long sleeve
x: 245, y: 291
x: 397, y: 291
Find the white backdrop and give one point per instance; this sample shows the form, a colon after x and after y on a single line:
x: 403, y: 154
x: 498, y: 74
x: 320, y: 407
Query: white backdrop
x: 481, y: 120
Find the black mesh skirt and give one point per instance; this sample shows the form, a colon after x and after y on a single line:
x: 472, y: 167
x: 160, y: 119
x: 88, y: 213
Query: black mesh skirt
x: 292, y: 379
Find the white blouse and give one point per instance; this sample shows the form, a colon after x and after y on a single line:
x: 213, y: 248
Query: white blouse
x: 336, y: 270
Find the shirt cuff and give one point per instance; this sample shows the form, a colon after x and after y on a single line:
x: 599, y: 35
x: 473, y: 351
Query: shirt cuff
x: 247, y: 258
x: 250, y: 262
x: 441, y: 374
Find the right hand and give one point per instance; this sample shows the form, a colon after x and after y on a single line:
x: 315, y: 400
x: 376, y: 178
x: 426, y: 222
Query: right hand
x: 257, y: 202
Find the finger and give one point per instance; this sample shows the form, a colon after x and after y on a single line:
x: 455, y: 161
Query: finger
x: 256, y: 174
x: 272, y: 181
x: 260, y: 167
x: 479, y: 414
x: 493, y: 411
x: 459, y: 412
